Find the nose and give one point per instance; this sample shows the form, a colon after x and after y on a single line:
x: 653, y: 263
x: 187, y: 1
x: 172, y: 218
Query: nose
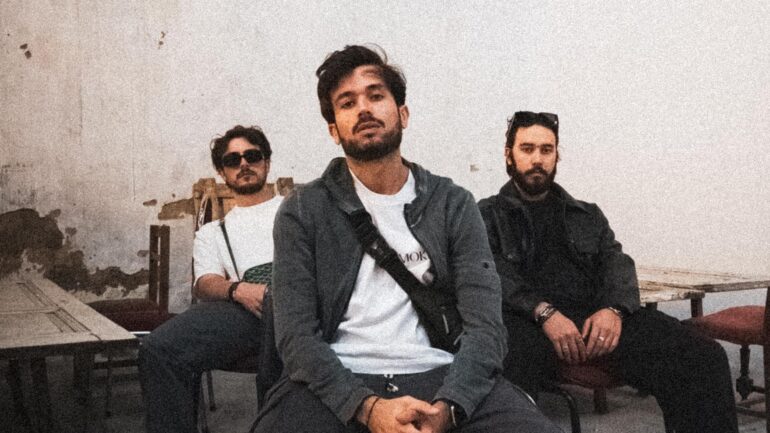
x: 537, y: 157
x: 243, y: 163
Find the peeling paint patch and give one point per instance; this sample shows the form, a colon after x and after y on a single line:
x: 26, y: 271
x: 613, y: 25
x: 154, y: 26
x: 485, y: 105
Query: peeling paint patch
x: 176, y: 209
x: 37, y: 241
x: 27, y: 53
x: 474, y: 167
x: 160, y: 41
x: 70, y: 231
x: 152, y: 202
x: 143, y: 253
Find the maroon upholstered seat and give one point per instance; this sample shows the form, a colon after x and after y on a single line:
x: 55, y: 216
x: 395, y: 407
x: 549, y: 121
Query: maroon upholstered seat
x: 745, y: 325
x: 595, y: 375
x: 739, y: 325
x: 590, y: 375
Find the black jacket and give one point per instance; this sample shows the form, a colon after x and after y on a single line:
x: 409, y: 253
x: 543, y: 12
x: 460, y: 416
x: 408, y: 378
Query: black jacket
x: 590, y: 240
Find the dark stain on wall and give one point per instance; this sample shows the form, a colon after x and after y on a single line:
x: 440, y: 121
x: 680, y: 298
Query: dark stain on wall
x: 148, y: 203
x: 24, y: 230
x: 176, y: 209
x: 27, y: 53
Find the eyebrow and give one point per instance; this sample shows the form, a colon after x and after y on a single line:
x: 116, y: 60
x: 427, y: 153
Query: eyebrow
x: 369, y: 88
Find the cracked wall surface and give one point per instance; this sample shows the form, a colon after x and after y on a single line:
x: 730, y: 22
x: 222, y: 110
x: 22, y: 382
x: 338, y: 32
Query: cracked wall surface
x: 108, y: 109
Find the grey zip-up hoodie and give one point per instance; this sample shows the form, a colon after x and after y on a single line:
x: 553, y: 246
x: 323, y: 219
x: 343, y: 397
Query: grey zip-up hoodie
x: 317, y: 257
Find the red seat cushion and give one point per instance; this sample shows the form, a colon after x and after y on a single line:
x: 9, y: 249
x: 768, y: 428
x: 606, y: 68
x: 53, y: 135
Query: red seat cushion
x: 739, y: 325
x: 592, y: 374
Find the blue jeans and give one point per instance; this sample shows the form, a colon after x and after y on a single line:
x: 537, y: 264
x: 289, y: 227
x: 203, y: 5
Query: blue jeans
x: 208, y: 336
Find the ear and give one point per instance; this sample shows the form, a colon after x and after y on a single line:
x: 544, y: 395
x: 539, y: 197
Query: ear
x: 267, y: 167
x: 334, y: 132
x: 403, y: 114
x: 508, y: 152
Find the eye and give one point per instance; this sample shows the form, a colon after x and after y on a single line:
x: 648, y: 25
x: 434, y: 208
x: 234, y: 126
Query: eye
x: 546, y: 149
x: 527, y: 149
x: 377, y: 97
x: 346, y: 104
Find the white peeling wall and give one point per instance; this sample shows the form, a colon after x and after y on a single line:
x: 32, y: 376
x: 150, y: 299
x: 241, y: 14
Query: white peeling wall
x: 664, y: 109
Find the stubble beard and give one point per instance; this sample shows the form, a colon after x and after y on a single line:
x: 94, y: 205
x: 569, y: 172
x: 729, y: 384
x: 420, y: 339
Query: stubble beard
x: 372, y: 151
x: 248, y: 189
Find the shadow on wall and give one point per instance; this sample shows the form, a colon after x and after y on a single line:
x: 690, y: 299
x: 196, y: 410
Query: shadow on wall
x: 24, y: 233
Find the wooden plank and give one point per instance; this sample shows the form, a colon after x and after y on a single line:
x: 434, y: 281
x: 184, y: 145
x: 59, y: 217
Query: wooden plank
x: 97, y: 324
x: 654, y: 278
x: 668, y: 294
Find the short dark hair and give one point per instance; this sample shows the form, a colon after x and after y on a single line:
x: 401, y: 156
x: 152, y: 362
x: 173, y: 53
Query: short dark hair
x: 252, y: 134
x: 526, y: 120
x: 340, y: 64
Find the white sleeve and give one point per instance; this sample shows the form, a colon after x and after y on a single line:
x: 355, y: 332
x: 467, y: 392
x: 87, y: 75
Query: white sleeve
x: 206, y: 257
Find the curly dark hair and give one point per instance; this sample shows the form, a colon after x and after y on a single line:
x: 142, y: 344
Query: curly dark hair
x: 340, y: 64
x: 252, y: 134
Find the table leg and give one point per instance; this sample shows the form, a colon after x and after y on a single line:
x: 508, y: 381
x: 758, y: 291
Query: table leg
x: 13, y: 376
x: 696, y: 307
x: 42, y: 398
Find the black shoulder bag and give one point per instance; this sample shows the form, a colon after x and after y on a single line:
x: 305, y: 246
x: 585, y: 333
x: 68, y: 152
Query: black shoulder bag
x: 436, y: 308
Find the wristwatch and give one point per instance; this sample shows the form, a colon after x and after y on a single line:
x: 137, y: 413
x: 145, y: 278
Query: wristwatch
x: 231, y: 291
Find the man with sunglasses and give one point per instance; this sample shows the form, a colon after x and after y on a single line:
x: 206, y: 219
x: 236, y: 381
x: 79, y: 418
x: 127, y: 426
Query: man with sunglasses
x: 570, y: 294
x: 232, y: 262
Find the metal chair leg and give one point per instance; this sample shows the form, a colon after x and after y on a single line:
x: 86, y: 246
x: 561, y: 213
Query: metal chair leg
x: 600, y: 401
x: 210, y: 385
x: 108, y: 391
x: 202, y: 416
x: 574, y: 415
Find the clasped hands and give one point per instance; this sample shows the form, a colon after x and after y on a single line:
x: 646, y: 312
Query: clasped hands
x: 404, y: 415
x: 599, y: 336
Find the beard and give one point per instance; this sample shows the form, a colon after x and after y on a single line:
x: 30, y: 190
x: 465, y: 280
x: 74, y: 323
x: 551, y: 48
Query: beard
x: 372, y: 151
x: 247, y: 189
x: 530, y: 186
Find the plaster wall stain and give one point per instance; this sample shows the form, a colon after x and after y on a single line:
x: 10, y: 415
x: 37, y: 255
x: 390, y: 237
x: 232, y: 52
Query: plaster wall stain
x: 25, y: 232
x: 176, y: 209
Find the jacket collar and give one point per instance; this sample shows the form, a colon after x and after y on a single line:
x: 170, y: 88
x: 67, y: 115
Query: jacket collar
x: 339, y: 182
x: 511, y: 197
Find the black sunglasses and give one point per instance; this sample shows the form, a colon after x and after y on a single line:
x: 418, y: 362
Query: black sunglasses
x: 530, y: 117
x: 233, y: 159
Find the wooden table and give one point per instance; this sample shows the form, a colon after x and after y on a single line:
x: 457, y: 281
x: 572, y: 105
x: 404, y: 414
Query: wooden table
x: 654, y: 279
x: 40, y: 319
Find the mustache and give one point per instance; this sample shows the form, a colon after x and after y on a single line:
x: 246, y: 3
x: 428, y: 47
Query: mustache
x: 245, y: 172
x: 365, y: 120
x: 536, y: 170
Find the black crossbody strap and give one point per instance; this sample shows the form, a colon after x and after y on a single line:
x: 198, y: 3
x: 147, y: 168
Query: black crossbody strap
x: 382, y: 253
x: 229, y: 249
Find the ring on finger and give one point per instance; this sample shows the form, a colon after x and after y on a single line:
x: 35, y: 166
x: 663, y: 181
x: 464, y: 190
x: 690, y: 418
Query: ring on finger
x: 601, y: 339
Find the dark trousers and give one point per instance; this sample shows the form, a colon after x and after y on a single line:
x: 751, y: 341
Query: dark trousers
x: 208, y: 336
x: 687, y: 373
x: 505, y: 409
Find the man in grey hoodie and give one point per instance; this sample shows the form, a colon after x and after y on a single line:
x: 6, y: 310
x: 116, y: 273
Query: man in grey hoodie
x: 357, y: 353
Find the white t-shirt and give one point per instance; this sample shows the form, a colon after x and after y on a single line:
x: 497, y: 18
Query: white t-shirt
x: 380, y: 332
x: 250, y: 230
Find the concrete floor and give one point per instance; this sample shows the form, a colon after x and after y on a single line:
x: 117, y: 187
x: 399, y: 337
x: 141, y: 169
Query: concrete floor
x: 236, y: 399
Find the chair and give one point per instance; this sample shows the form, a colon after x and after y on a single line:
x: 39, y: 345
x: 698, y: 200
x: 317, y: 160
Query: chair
x: 745, y: 325
x: 212, y: 201
x: 137, y: 315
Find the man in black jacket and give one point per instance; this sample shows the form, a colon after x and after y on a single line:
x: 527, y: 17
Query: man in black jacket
x: 571, y: 294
